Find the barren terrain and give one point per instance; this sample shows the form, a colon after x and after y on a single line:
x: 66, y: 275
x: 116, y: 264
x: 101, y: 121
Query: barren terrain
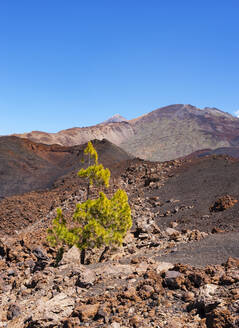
x: 168, y: 272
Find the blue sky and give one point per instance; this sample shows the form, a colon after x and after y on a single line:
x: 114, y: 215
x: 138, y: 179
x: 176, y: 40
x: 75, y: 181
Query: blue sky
x: 67, y: 63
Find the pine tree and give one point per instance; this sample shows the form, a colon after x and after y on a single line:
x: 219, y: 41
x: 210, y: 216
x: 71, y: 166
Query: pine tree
x: 96, y: 222
x: 95, y: 173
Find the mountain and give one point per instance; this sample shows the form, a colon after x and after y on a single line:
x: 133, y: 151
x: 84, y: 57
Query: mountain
x: 177, y: 130
x: 26, y: 165
x: 116, y: 118
x: 163, y: 134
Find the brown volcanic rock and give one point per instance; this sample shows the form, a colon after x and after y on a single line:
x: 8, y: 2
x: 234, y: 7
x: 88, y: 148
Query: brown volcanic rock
x: 50, y: 296
x: 223, y: 203
x: 163, y: 134
x: 26, y: 166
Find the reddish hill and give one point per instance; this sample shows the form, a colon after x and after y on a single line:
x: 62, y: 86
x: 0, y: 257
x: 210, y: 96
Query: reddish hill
x: 26, y: 165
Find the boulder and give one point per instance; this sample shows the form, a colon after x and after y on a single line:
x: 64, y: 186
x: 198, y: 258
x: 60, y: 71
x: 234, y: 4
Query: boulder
x: 207, y: 298
x: 55, y: 309
x: 173, y: 279
x: 86, y: 278
x: 71, y: 256
x: 87, y: 311
x: 163, y: 266
x: 223, y: 203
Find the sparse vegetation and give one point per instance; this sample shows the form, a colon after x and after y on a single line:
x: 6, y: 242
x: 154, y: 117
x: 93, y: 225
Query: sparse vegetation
x: 96, y: 222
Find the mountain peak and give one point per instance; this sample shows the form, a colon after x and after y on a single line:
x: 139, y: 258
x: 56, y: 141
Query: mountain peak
x: 116, y: 118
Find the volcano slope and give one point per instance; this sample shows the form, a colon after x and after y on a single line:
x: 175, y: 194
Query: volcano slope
x: 194, y: 188
x: 27, y: 166
x: 228, y: 151
x: 132, y: 287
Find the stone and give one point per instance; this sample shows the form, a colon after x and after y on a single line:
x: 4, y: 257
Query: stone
x: 13, y: 311
x: 55, y: 309
x: 103, y: 312
x: 206, y: 298
x: 72, y: 322
x: 131, y: 294
x: 111, y: 270
x: 87, y: 311
x: 11, y: 272
x: 217, y: 230
x: 223, y: 203
x: 146, y: 291
x: 115, y: 325
x: 86, y: 278
x: 220, y: 318
x: 188, y: 297
x: 71, y: 256
x: 3, y: 251
x: 196, y: 235
x: 38, y: 266
x: 38, y: 252
x: 136, y: 321
x: 232, y: 262
x: 173, y: 224
x: 172, y: 274
x: 163, y: 266
x: 171, y: 231
x: 173, y: 279
x: 141, y: 268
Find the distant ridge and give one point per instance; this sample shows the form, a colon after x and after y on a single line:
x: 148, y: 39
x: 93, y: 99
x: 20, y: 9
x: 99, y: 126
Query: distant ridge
x: 166, y: 133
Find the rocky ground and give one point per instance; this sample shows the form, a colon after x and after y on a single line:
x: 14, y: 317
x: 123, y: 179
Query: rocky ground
x: 168, y: 272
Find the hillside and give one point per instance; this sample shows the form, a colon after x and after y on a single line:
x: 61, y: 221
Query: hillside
x: 26, y: 165
x: 230, y: 151
x: 166, y: 133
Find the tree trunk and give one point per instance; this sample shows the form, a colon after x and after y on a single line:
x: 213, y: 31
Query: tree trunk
x: 59, y: 255
x: 82, y: 256
x: 102, y: 256
x: 88, y: 191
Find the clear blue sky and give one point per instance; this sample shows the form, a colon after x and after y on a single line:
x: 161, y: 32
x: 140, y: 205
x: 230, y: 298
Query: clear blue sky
x: 67, y: 63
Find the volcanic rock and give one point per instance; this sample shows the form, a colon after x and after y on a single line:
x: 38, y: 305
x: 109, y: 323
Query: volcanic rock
x: 223, y: 203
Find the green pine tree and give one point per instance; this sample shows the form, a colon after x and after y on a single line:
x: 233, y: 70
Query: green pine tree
x: 95, y: 173
x: 96, y: 222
